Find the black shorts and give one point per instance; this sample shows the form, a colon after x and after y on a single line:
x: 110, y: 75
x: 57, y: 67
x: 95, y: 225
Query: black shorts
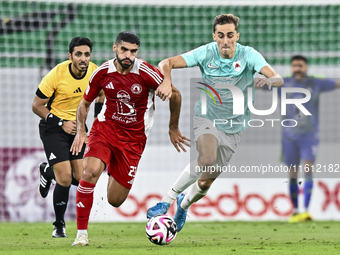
x: 57, y: 144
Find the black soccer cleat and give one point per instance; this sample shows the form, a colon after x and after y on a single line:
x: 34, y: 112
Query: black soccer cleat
x: 44, y: 185
x: 59, y: 230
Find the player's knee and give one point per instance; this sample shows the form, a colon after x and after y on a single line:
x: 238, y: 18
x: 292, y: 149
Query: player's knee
x: 88, y: 175
x: 115, y: 202
x: 77, y: 176
x: 204, y: 184
x: 64, y: 180
x: 207, y: 160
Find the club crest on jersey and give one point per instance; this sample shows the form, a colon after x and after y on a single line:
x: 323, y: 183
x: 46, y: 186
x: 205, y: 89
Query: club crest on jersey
x: 136, y: 88
x: 237, y: 66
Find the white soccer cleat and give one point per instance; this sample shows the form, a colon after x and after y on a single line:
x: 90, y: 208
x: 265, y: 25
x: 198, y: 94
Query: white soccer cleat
x: 81, y: 240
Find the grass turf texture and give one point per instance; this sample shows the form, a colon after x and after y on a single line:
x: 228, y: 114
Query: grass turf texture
x: 315, y: 237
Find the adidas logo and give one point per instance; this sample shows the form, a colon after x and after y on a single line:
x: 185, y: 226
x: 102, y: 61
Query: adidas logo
x: 78, y: 90
x: 80, y: 204
x: 110, y: 86
x: 52, y: 156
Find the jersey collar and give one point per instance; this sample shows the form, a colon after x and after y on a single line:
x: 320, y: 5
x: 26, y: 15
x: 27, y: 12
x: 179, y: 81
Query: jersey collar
x: 227, y: 59
x: 135, y: 68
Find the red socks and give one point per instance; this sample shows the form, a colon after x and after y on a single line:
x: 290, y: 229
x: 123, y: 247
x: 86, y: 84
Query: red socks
x: 84, y: 201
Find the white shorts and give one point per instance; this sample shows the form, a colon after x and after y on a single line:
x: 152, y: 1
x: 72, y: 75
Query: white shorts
x: 227, y: 143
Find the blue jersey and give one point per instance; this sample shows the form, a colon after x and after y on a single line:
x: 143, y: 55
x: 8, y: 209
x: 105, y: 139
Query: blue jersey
x: 308, y: 125
x: 238, y: 71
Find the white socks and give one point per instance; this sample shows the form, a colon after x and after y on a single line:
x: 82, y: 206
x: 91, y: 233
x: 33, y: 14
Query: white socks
x: 82, y: 231
x: 186, y: 178
x: 195, y: 193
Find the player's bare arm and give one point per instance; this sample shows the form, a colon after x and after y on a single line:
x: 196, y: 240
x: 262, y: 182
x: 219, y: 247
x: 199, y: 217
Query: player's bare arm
x: 176, y: 137
x: 271, y: 79
x: 39, y: 108
x: 164, y: 90
x: 81, y: 136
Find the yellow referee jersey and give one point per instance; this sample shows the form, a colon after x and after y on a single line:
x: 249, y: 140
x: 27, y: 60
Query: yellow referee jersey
x: 66, y: 89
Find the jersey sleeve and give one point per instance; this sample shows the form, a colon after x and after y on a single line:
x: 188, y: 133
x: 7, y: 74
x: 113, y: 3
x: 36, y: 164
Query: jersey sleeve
x: 153, y: 77
x: 195, y: 57
x: 49, y: 83
x: 94, y: 87
x: 256, y: 60
x: 325, y: 84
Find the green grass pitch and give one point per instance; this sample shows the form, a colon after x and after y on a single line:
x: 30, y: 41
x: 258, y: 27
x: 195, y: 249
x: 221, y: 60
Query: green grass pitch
x: 207, y: 238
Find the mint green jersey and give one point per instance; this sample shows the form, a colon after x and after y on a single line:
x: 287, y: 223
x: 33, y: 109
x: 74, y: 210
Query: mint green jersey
x: 238, y: 71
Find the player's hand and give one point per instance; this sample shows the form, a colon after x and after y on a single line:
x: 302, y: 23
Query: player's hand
x: 261, y: 81
x: 177, y: 139
x: 164, y: 90
x: 70, y: 127
x: 78, y: 143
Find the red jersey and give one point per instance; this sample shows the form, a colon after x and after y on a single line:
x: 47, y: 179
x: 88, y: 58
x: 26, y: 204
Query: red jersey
x: 129, y: 104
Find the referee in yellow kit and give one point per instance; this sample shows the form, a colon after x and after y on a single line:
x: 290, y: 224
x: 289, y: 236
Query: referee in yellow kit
x: 56, y: 102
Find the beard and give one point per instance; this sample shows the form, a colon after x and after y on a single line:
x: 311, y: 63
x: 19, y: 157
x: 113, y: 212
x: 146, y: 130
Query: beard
x: 125, y: 66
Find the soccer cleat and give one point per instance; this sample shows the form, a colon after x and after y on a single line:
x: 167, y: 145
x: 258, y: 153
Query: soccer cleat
x: 295, y: 218
x: 305, y: 216
x: 59, y: 230
x: 181, y: 214
x: 158, y: 209
x: 81, y: 240
x: 44, y: 185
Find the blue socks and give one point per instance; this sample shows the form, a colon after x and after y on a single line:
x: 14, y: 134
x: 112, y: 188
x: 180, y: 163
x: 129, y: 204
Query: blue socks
x: 294, y: 192
x: 307, y: 189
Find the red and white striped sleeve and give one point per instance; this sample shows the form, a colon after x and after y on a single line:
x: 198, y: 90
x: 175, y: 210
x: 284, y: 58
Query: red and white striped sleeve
x: 151, y: 75
x: 94, y: 87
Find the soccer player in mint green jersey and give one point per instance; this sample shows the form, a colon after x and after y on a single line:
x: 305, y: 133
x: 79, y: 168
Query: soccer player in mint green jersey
x: 222, y: 59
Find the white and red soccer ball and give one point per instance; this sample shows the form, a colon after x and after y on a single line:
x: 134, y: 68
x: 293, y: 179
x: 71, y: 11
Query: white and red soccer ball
x: 161, y: 229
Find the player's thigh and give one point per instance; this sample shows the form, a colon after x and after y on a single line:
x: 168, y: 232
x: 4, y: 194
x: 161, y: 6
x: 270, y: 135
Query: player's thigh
x: 206, y: 138
x: 56, y: 144
x: 93, y: 168
x: 207, y: 149
x: 290, y: 152
x: 97, y: 156
x: 291, y: 156
x: 308, y: 150
x: 124, y: 163
x: 116, y: 193
x: 77, y: 168
x: 63, y: 173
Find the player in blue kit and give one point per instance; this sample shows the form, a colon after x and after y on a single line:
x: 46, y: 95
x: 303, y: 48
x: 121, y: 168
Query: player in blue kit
x: 222, y: 61
x: 300, y: 143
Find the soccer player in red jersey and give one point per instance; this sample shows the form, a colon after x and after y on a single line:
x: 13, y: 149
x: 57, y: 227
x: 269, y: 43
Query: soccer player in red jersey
x: 118, y: 135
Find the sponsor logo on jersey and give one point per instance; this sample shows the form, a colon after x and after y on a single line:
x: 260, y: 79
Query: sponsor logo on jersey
x: 124, y: 107
x: 110, y: 86
x: 136, y: 89
x: 237, y: 66
x: 211, y: 66
x: 78, y: 90
x: 123, y: 96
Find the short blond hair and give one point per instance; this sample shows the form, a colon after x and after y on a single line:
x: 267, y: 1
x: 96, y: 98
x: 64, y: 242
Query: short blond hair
x: 226, y: 19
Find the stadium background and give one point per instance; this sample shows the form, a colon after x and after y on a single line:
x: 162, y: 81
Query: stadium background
x: 34, y: 37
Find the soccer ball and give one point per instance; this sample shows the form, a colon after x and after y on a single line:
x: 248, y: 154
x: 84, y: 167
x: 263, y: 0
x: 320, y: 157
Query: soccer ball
x: 161, y: 229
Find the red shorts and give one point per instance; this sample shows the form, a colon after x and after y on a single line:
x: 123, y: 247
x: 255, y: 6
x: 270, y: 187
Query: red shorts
x: 121, y: 157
